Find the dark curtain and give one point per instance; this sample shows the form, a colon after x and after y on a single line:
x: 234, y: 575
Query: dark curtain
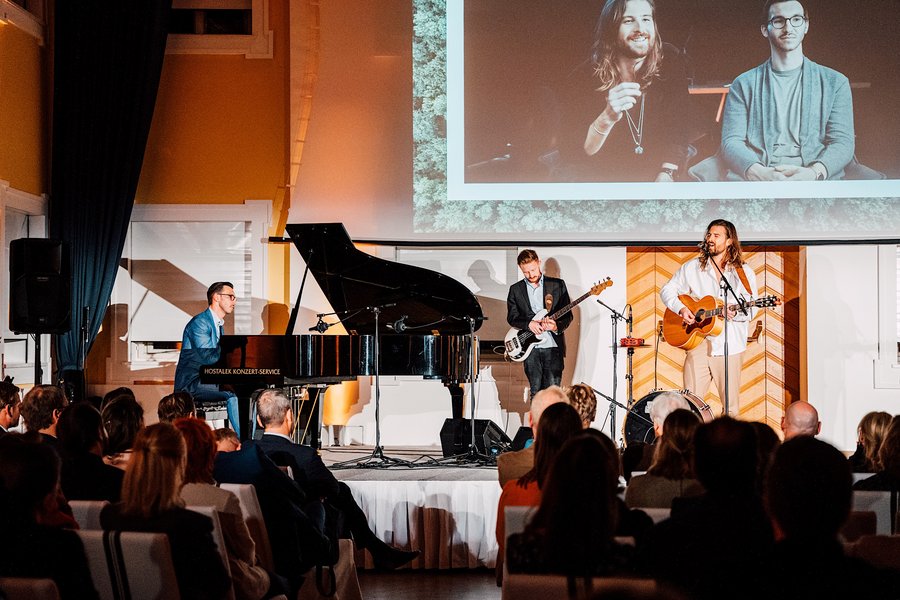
x: 108, y: 55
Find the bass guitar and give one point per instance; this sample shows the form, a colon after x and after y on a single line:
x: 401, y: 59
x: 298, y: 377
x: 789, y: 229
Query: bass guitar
x: 520, y: 342
x: 708, y: 313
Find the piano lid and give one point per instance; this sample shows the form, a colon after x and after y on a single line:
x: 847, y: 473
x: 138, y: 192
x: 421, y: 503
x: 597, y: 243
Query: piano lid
x: 352, y: 279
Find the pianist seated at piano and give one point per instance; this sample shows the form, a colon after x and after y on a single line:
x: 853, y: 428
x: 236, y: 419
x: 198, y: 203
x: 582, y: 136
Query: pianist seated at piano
x: 200, y: 346
x: 277, y: 419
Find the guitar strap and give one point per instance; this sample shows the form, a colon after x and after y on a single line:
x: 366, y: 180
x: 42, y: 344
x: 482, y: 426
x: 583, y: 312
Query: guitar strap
x: 743, y: 277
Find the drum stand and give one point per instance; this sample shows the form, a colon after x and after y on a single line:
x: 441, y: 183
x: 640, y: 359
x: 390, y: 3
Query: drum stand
x: 616, y: 315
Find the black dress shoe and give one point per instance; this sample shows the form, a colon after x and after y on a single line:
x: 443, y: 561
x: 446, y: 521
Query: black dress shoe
x: 389, y: 558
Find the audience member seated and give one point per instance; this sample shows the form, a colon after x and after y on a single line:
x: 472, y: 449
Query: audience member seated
x: 296, y: 537
x: 767, y: 442
x: 887, y: 476
x: 573, y: 530
x: 800, y: 418
x: 672, y: 473
x: 584, y: 401
x: 512, y: 465
x: 175, y: 406
x: 226, y: 440
x: 251, y: 581
x: 123, y: 418
x: 151, y: 502
x: 558, y: 424
x: 29, y: 484
x: 870, y: 433
x: 81, y: 441
x: 41, y: 409
x: 277, y: 419
x: 809, y: 498
x: 10, y: 405
x: 639, y: 455
x: 725, y: 530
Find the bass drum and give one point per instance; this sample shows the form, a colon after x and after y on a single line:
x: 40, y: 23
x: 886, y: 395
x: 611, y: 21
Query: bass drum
x: 638, y: 426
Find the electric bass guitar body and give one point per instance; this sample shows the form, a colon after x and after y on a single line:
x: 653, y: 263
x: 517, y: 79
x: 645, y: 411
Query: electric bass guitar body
x: 519, y: 343
x: 708, y: 312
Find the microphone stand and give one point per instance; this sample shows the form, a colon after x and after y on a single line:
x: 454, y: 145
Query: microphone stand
x: 377, y: 459
x: 616, y: 315
x: 725, y: 287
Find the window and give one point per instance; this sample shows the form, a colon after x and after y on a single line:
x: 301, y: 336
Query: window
x: 220, y: 27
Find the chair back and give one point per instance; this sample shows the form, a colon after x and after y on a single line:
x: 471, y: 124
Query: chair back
x: 130, y: 564
x: 218, y: 538
x: 657, y: 514
x: 253, y: 517
x: 87, y: 512
x: 880, y: 503
x: 517, y: 517
x: 883, y: 551
x: 21, y: 588
x: 529, y: 587
x: 861, y: 476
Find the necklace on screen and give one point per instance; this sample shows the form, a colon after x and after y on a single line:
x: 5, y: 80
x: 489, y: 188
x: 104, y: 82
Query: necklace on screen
x: 637, y: 130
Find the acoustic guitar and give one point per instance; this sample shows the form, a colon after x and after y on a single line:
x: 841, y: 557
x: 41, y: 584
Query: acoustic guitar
x: 520, y: 342
x: 708, y: 312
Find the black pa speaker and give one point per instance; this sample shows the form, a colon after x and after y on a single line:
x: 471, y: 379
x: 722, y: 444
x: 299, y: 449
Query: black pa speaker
x: 522, y: 436
x: 456, y: 435
x: 39, y: 286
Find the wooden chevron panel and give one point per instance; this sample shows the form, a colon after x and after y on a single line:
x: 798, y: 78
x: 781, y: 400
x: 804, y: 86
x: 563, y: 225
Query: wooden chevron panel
x: 770, y: 377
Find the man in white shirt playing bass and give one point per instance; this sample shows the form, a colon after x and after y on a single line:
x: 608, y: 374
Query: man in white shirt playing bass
x: 699, y: 278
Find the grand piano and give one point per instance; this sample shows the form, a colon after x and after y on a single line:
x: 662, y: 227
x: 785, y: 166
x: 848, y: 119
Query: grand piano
x: 424, y: 323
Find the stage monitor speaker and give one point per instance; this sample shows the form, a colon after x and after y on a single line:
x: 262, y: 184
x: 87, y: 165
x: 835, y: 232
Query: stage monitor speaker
x: 522, y: 436
x: 39, y: 286
x: 456, y: 435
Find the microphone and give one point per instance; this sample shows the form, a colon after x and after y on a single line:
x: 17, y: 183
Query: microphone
x: 703, y: 247
x: 399, y: 326
x: 321, y: 326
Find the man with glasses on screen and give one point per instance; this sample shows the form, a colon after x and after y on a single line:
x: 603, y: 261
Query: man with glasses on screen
x: 789, y: 119
x: 200, y: 346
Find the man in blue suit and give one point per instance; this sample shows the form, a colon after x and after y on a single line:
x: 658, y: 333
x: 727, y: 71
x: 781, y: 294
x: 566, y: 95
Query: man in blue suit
x: 200, y: 346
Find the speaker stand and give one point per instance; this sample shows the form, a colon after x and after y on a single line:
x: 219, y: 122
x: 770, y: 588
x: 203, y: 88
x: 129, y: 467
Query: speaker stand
x: 38, y: 371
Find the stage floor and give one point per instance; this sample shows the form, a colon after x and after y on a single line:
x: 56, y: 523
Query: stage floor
x: 447, y: 511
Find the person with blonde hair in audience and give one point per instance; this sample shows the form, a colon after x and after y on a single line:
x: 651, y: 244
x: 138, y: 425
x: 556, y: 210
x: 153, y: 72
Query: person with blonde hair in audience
x: 800, y: 418
x: 251, y: 581
x: 887, y: 477
x: 123, y: 418
x: 870, y: 433
x: 671, y: 475
x: 573, y: 530
x: 512, y: 465
x: 151, y: 502
x: 583, y: 400
x: 559, y: 423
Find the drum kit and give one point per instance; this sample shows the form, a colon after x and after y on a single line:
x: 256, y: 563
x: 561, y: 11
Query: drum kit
x: 637, y: 425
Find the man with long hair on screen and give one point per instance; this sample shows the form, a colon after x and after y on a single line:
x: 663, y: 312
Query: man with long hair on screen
x: 642, y: 131
x: 699, y: 278
x: 789, y: 119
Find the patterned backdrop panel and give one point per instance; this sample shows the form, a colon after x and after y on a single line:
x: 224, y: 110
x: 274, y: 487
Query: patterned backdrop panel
x: 770, y: 378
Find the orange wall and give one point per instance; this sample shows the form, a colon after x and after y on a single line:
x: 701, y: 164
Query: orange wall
x: 23, y: 147
x: 219, y: 127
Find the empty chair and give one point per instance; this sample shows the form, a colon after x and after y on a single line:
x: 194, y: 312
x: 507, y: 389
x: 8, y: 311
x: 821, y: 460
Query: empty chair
x: 20, y: 588
x: 127, y: 564
x: 877, y: 502
x: 253, y: 517
x: 87, y: 512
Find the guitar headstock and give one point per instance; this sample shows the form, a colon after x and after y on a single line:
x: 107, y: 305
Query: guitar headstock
x: 600, y: 286
x: 768, y: 302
